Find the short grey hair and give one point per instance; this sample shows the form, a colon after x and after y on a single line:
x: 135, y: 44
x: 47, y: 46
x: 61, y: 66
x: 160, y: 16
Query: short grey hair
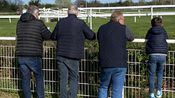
x: 115, y: 15
x: 72, y: 9
x: 32, y: 9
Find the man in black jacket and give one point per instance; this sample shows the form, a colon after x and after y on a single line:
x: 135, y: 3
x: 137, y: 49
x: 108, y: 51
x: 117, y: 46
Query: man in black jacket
x: 30, y: 34
x: 70, y: 34
x: 112, y: 38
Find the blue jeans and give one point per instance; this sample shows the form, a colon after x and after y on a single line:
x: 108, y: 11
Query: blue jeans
x: 28, y: 65
x: 156, y: 66
x: 115, y: 76
x: 68, y: 69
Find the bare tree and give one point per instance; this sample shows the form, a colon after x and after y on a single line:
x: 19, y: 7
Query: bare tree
x: 34, y: 2
x: 142, y: 1
x: 129, y: 0
x: 172, y: 2
x: 81, y: 3
x: 120, y: 0
x: 14, y: 2
x: 155, y: 1
x: 63, y: 3
x: 18, y: 2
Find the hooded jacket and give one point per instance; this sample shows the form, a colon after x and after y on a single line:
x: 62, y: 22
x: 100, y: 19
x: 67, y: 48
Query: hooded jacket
x: 30, y: 34
x: 156, y: 40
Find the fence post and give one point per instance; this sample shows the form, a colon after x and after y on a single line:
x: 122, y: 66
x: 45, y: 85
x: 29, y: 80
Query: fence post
x: 90, y: 18
x: 135, y: 19
x: 10, y: 20
x: 152, y: 12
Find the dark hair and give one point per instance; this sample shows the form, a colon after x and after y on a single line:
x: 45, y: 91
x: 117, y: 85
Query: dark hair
x: 156, y: 21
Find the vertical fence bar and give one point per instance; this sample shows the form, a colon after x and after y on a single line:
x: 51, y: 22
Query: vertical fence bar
x: 91, y: 18
x: 152, y: 12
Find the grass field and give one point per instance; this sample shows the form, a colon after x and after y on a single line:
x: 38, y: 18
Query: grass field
x: 139, y: 28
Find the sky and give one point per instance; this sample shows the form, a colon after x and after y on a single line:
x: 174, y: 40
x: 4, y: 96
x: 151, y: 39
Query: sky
x: 53, y: 1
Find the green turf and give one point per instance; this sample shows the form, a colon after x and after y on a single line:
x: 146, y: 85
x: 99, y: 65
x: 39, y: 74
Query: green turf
x: 139, y: 28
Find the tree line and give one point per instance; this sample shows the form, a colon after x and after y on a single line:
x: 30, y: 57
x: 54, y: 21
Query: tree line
x: 17, y: 5
x: 10, y: 5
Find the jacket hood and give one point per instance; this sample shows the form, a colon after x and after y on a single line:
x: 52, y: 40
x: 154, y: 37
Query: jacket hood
x: 157, y: 29
x: 27, y: 17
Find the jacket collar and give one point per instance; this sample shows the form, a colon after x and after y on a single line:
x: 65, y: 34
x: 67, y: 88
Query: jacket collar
x: 114, y: 22
x: 72, y: 15
x: 27, y: 17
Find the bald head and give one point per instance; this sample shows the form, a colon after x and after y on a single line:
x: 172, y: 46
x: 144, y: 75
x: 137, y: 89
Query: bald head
x: 116, y: 15
x: 73, y: 9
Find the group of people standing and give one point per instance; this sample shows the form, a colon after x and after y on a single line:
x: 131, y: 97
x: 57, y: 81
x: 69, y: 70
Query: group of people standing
x: 70, y: 34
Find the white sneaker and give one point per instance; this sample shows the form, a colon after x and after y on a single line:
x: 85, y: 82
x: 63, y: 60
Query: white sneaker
x: 152, y: 95
x: 159, y: 94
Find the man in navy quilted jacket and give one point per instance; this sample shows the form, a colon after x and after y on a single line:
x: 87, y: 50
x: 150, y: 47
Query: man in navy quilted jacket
x: 156, y: 48
x: 70, y: 34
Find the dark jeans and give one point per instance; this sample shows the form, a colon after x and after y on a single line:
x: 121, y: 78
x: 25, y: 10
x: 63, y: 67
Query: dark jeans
x: 28, y: 65
x: 114, y: 76
x: 155, y: 67
x: 68, y: 69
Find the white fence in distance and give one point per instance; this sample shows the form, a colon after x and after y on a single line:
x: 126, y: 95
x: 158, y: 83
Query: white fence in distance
x: 91, y: 12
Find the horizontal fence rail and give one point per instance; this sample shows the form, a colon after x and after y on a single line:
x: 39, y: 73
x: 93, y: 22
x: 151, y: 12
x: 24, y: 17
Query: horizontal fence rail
x: 136, y: 85
x: 137, y: 40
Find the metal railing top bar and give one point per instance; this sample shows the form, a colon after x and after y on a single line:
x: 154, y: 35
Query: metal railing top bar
x: 7, y: 38
x: 122, y: 7
x: 137, y: 40
x: 170, y: 41
x: 129, y: 7
x: 93, y: 15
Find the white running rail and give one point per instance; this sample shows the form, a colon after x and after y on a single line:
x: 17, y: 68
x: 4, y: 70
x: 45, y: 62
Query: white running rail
x: 137, y: 40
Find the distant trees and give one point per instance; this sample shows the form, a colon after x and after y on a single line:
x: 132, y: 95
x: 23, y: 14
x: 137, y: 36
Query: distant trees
x: 3, y: 3
x: 170, y: 1
x: 81, y: 3
x: 164, y: 2
x: 10, y: 5
x: 95, y: 3
x: 34, y: 2
x: 62, y: 3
